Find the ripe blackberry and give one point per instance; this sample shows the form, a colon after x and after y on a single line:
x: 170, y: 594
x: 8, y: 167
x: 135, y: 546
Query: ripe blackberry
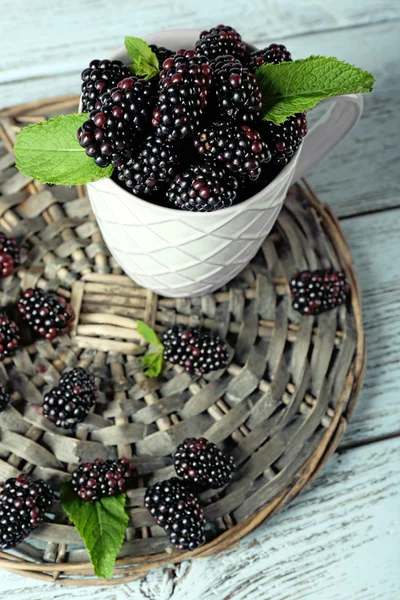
x: 203, y: 188
x: 69, y: 403
x: 111, y: 133
x: 283, y: 140
x: 152, y: 170
x: 101, y: 76
x: 315, y: 292
x: 23, y: 504
x: 238, y: 147
x: 195, y: 351
x: 238, y: 96
x: 102, y: 478
x: 175, y: 509
x: 9, y: 336
x: 47, y: 314
x: 182, y: 95
x: 274, y: 54
x: 219, y: 41
x: 4, y: 398
x: 202, y: 463
x: 161, y: 53
x: 9, y: 255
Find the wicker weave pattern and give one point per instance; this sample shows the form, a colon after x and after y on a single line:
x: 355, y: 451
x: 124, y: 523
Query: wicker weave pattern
x: 280, y: 407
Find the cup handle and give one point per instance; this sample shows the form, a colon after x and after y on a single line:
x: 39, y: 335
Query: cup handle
x: 333, y: 126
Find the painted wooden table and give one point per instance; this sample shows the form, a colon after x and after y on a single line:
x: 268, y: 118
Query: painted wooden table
x: 340, y: 539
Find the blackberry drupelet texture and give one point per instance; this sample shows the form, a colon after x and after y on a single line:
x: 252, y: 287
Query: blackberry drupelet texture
x: 161, y: 52
x: 70, y: 402
x: 152, y: 170
x: 219, y: 41
x: 112, y: 132
x: 203, y: 188
x: 9, y: 336
x: 202, y: 463
x: 274, y: 54
x: 315, y: 292
x: 237, y: 94
x: 175, y: 509
x: 195, y: 351
x: 283, y: 140
x: 4, y: 398
x: 238, y: 148
x: 23, y: 504
x: 101, y: 76
x: 9, y: 255
x: 102, y: 478
x: 47, y: 314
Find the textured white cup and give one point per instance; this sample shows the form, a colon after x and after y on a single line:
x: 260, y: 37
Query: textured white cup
x: 179, y: 254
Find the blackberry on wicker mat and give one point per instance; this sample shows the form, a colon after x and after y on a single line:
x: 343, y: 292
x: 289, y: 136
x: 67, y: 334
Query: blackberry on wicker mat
x: 195, y: 351
x: 219, y: 41
x: 238, y: 148
x: 47, y: 314
x: 100, y: 77
x: 70, y: 402
x: 315, y: 292
x: 4, y: 398
x: 101, y: 478
x: 177, y: 510
x: 203, y: 188
x: 23, y: 505
x: 9, y: 336
x: 200, y: 462
x: 9, y: 255
x: 110, y: 134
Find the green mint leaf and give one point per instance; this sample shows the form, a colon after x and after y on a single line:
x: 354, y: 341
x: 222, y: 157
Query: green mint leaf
x: 101, y: 525
x: 49, y: 152
x: 154, y: 362
x: 292, y: 87
x: 148, y: 333
x: 144, y: 60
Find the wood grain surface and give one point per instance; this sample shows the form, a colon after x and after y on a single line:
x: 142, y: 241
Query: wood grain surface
x: 339, y: 540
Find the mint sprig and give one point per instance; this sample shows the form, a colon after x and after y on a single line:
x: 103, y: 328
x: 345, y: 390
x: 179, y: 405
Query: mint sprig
x: 144, y: 60
x: 153, y: 361
x: 101, y: 525
x: 49, y: 152
x: 292, y: 87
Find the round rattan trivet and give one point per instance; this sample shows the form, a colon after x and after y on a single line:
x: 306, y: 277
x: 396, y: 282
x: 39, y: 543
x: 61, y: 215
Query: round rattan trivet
x: 280, y: 407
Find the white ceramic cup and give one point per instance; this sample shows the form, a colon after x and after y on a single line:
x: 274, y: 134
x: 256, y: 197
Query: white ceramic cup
x: 178, y: 253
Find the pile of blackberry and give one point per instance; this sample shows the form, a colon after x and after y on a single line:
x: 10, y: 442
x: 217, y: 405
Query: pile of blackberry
x: 23, y: 505
x: 195, y: 351
x: 47, y: 314
x: 205, y: 99
x: 102, y: 478
x: 9, y: 255
x: 70, y: 401
x: 315, y: 292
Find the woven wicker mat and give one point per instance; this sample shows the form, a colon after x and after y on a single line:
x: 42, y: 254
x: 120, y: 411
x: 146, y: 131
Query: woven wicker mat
x: 280, y: 407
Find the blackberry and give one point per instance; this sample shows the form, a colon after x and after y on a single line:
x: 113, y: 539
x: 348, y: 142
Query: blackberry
x: 4, y: 398
x: 203, y: 188
x: 202, y: 463
x: 69, y: 403
x: 195, y: 351
x: 238, y: 147
x: 23, y: 504
x: 9, y: 255
x: 161, y: 53
x: 238, y: 96
x: 152, y: 170
x: 219, y: 41
x: 102, y: 478
x: 175, y: 509
x: 182, y: 95
x: 274, y: 54
x: 101, y: 76
x: 283, y: 140
x: 111, y: 133
x: 9, y: 336
x: 315, y: 292
x: 47, y: 314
